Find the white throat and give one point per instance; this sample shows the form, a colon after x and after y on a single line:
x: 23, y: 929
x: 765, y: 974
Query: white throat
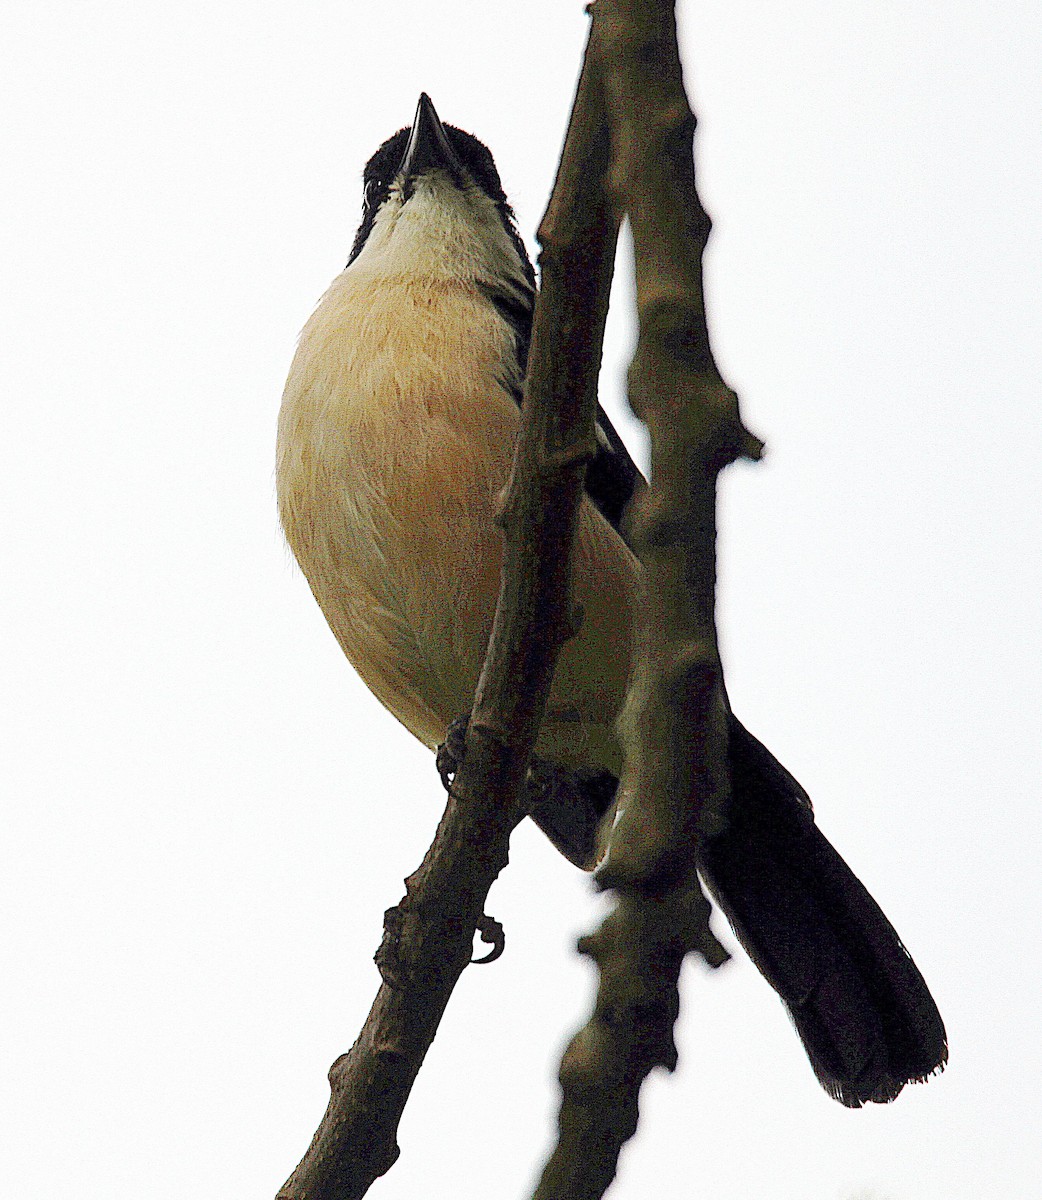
x: 442, y: 232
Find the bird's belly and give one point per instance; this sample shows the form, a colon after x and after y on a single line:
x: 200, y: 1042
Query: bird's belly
x: 388, y: 494
x: 390, y: 512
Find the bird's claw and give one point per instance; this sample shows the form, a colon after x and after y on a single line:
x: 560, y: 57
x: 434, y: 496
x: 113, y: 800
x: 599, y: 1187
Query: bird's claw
x: 388, y: 955
x: 491, y: 933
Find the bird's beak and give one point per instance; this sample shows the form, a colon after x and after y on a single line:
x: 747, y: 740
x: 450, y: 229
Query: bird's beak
x: 428, y: 148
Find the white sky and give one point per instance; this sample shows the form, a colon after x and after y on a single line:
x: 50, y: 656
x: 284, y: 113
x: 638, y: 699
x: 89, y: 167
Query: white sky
x: 207, y: 814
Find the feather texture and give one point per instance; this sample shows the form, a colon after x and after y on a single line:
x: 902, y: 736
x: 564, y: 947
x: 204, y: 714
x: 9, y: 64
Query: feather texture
x: 396, y: 437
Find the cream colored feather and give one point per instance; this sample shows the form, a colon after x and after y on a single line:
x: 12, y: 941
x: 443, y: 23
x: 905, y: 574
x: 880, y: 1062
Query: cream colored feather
x: 395, y: 439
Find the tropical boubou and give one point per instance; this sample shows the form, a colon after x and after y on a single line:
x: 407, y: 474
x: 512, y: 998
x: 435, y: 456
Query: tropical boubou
x: 395, y: 439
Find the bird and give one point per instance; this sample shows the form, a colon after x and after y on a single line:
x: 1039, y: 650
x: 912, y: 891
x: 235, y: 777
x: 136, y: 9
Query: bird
x: 395, y: 439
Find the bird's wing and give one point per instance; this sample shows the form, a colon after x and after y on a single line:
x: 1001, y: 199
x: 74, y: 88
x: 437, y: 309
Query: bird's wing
x: 612, y: 476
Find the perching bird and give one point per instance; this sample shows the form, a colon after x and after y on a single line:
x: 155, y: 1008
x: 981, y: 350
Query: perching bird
x: 395, y: 438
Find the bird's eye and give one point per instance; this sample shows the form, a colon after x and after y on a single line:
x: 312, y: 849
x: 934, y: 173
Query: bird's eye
x: 372, y: 194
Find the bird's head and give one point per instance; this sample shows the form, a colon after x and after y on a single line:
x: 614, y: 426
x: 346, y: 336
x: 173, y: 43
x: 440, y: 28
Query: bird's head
x: 434, y: 207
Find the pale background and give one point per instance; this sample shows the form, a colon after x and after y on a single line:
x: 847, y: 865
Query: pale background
x: 206, y: 814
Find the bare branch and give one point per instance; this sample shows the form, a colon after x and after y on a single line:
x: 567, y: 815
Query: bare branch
x: 429, y: 935
x: 675, y: 785
x: 675, y: 724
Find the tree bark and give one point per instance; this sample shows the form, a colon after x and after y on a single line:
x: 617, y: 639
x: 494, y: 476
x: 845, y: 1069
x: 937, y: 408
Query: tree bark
x: 675, y: 785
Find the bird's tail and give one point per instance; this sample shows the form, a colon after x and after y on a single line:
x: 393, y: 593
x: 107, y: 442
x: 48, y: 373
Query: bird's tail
x: 859, y: 1004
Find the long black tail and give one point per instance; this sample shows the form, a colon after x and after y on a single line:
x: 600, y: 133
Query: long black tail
x: 863, y: 1011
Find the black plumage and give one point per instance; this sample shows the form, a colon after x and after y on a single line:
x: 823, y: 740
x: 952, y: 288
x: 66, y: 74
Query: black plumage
x: 858, y: 1001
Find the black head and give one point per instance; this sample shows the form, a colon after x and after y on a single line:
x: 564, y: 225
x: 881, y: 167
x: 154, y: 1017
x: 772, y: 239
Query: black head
x: 428, y: 145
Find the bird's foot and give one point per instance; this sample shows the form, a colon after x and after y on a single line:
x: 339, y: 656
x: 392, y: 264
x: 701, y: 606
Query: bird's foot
x: 388, y: 954
x: 388, y: 957
x: 450, y: 752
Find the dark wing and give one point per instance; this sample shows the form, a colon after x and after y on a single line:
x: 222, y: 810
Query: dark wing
x: 612, y: 476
